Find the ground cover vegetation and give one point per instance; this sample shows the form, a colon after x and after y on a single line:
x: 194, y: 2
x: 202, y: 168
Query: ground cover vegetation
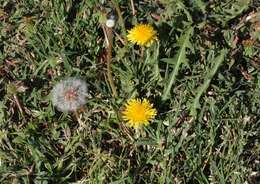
x: 159, y: 91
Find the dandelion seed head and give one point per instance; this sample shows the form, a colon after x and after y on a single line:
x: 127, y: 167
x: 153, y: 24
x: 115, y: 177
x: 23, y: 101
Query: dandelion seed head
x: 110, y: 23
x: 69, y: 94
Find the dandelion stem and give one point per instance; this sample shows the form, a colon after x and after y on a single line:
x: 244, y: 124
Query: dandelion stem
x: 142, y: 52
x: 109, y: 58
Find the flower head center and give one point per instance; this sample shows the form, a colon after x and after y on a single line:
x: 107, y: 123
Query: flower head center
x: 139, y: 113
x: 70, y: 95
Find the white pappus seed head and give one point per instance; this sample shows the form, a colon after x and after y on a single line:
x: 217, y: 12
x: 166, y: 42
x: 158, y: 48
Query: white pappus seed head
x: 69, y: 94
x: 111, y: 20
x: 110, y: 23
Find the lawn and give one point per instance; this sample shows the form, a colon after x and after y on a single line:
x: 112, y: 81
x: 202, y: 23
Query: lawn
x: 130, y: 91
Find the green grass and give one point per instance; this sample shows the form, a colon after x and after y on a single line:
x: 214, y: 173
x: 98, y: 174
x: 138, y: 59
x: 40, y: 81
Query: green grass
x: 203, y: 77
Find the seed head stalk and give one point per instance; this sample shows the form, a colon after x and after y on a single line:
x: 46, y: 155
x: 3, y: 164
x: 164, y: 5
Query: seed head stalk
x: 109, y: 34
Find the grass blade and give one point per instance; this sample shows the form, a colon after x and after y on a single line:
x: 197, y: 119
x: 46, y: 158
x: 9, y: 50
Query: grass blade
x: 178, y: 59
x: 218, y: 60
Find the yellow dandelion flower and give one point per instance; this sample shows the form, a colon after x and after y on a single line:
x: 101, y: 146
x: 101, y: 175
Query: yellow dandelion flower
x: 138, y: 112
x: 142, y: 34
